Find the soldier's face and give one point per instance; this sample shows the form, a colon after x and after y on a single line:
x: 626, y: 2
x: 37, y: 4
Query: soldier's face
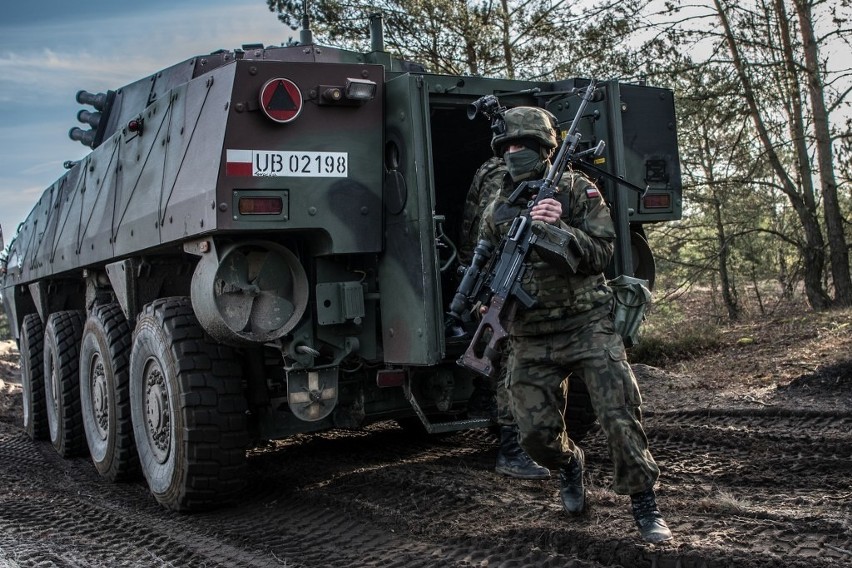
x: 514, y: 148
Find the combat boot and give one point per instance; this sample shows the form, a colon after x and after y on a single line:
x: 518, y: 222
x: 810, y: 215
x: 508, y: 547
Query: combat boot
x: 571, y: 488
x: 513, y: 461
x: 650, y: 521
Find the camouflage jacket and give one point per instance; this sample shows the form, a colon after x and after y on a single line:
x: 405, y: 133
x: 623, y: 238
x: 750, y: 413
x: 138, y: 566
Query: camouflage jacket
x: 481, y: 192
x: 563, y: 296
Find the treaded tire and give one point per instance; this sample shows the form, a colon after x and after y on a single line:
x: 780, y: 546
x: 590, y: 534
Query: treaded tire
x: 32, y: 377
x: 188, y: 409
x: 105, y: 393
x: 62, y: 381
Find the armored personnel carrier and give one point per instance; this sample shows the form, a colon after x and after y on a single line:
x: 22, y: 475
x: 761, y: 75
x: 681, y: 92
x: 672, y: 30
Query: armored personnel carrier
x: 260, y: 243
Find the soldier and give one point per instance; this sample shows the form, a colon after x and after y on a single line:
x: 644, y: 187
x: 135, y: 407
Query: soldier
x: 512, y: 460
x: 569, y: 332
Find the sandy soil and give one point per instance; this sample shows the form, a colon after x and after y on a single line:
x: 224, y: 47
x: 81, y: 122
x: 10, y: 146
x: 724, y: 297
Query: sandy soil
x: 754, y: 441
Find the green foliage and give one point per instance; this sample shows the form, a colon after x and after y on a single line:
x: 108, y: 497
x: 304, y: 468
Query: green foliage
x: 668, y: 337
x: 510, y: 38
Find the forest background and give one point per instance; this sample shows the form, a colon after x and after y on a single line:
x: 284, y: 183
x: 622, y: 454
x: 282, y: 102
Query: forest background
x: 762, y: 93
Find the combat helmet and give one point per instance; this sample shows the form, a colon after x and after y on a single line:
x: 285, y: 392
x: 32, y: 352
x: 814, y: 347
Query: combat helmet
x: 531, y: 123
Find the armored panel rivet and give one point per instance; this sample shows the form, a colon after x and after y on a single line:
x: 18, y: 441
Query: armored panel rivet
x: 239, y: 107
x: 204, y: 246
x: 391, y: 332
x: 223, y: 206
x: 364, y: 210
x: 312, y: 210
x: 365, y: 73
x: 252, y: 70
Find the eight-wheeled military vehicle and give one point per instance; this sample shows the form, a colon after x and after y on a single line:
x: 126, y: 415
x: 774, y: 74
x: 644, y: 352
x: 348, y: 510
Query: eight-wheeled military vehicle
x: 260, y: 243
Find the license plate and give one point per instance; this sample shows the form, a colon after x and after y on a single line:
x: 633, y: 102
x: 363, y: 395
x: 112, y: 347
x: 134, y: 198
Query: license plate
x: 267, y: 163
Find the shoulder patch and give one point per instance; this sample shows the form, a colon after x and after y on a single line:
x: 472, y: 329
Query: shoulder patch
x: 592, y: 192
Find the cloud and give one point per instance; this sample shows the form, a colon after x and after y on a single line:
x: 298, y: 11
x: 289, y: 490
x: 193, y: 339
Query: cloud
x: 44, y: 63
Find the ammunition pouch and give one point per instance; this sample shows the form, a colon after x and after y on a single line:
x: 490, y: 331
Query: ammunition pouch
x: 631, y: 299
x: 556, y: 246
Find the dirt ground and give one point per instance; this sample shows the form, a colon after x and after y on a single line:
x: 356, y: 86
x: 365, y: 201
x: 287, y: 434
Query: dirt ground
x: 754, y: 441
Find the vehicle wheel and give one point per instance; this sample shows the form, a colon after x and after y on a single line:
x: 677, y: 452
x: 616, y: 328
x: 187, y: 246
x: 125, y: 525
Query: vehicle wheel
x: 62, y: 381
x: 644, y: 266
x: 188, y: 408
x: 104, y: 393
x: 32, y: 377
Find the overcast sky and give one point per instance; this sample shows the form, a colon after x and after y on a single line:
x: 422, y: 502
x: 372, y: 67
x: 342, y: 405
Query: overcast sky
x: 50, y: 49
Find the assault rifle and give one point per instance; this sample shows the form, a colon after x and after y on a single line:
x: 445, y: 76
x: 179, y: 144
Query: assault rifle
x: 495, y: 279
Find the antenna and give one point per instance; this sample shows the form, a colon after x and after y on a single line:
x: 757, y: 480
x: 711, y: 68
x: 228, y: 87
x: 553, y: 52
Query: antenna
x: 306, y: 37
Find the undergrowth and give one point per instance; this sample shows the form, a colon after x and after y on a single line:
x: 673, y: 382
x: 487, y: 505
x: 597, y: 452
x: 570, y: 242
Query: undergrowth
x: 670, y: 334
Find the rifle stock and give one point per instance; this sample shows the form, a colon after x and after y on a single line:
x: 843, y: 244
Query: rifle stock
x: 497, y: 284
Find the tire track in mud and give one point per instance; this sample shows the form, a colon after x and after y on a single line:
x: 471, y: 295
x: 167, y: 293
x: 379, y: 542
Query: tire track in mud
x: 743, y: 487
x: 780, y: 478
x: 71, y: 518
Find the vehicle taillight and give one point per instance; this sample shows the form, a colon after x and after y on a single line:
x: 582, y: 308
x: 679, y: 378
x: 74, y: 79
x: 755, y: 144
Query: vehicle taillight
x: 657, y: 201
x: 261, y: 205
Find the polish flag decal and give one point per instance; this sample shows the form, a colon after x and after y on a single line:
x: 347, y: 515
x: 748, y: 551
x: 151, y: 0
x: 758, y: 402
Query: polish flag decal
x: 592, y: 192
x: 238, y: 163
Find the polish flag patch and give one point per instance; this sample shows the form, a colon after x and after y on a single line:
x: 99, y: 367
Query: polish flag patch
x: 238, y: 163
x: 592, y: 192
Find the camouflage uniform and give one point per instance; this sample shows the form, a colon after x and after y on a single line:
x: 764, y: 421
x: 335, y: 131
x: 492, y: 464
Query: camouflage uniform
x: 482, y: 191
x: 569, y: 332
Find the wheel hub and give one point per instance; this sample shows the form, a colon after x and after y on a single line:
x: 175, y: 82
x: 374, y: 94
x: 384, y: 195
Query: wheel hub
x: 157, y: 413
x: 100, y: 398
x: 52, y: 384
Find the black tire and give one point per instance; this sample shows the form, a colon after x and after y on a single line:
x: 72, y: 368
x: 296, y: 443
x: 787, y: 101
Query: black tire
x: 62, y: 382
x: 32, y: 377
x: 105, y: 393
x: 644, y: 266
x: 188, y: 409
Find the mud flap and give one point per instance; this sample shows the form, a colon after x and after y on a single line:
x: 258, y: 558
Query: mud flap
x: 312, y: 394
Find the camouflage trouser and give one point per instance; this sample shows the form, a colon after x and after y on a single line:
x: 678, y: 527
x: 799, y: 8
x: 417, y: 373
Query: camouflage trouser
x: 539, y: 370
x: 504, y: 407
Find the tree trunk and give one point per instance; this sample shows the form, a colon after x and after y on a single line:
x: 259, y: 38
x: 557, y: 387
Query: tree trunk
x: 812, y: 250
x: 838, y: 251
